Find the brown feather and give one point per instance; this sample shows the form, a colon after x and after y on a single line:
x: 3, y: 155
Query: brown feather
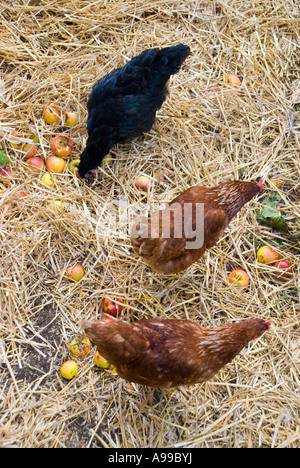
x: 173, y: 252
x: 168, y: 353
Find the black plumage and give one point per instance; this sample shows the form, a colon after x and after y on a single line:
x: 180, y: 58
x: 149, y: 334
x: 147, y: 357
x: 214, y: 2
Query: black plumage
x: 123, y: 103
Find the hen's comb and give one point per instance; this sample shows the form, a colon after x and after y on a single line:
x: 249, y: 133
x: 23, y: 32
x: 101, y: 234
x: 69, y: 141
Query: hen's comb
x: 260, y: 184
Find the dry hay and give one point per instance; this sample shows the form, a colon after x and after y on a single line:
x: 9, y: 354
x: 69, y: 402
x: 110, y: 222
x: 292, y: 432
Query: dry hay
x: 207, y: 131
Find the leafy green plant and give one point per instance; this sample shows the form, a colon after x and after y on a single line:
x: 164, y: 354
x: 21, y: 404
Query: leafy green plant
x: 271, y: 215
x: 3, y: 158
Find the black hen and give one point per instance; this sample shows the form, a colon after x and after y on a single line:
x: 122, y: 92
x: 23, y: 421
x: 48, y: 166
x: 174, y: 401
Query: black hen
x: 123, y: 103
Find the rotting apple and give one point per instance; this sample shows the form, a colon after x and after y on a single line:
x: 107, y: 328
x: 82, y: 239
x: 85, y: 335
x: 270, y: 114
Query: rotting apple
x: 162, y: 174
x: 266, y: 254
x: 238, y: 278
x: 113, y: 306
x: 56, y: 205
x: 75, y: 272
x: 73, y: 166
x: 51, y: 115
x: 61, y: 145
x: 108, y: 160
x: 71, y: 118
x: 143, y: 183
x: 55, y: 164
x: 283, y: 268
x: 69, y: 369
x: 233, y: 79
x: 100, y: 361
x: 80, y: 346
x: 29, y: 150
x: 47, y: 179
x: 6, y: 174
x: 35, y: 164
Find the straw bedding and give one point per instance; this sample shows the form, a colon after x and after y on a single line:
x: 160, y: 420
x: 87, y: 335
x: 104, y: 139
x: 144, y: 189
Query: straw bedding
x: 207, y: 131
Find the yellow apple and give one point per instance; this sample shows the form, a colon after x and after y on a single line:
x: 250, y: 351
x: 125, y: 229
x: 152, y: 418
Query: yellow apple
x: 47, y: 179
x: 100, y: 361
x: 55, y: 164
x: 238, y: 278
x: 69, y: 369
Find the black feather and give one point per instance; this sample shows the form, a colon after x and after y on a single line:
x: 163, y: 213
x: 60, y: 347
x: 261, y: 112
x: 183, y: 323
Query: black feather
x: 123, y: 103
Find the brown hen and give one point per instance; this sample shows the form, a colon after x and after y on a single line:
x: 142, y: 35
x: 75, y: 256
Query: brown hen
x: 170, y: 353
x: 174, y: 238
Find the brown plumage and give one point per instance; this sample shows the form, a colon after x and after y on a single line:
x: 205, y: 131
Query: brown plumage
x: 170, y: 353
x: 175, y: 251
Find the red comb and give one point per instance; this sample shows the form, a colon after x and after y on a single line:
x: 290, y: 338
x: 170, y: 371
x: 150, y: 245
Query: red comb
x: 268, y: 323
x: 260, y: 184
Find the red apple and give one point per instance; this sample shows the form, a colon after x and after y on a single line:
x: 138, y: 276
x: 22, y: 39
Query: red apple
x: 30, y: 150
x: 284, y: 269
x: 113, y: 306
x: 21, y: 194
x: 35, y: 165
x: 6, y: 174
x: 233, y: 79
x: 80, y: 346
x: 143, y: 183
x: 69, y: 369
x: 51, y: 115
x: 71, y: 118
x: 238, y: 278
x: 55, y: 164
x: 75, y: 272
x: 107, y: 319
x: 61, y: 145
x: 267, y: 255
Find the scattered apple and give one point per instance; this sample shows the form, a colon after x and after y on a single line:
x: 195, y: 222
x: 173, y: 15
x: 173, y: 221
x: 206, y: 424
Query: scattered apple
x: 56, y: 205
x: 162, y: 174
x: 55, y: 164
x: 30, y: 150
x: 80, y: 346
x: 47, y: 179
x: 107, y: 319
x: 21, y: 194
x: 75, y: 272
x: 267, y: 255
x: 51, y: 115
x: 61, y: 145
x: 100, y: 361
x: 238, y: 278
x: 73, y: 166
x: 143, y: 183
x: 283, y: 268
x: 6, y: 174
x: 276, y: 182
x: 233, y: 79
x: 71, y: 118
x: 35, y: 164
x: 108, y: 160
x: 69, y: 369
x: 113, y: 306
